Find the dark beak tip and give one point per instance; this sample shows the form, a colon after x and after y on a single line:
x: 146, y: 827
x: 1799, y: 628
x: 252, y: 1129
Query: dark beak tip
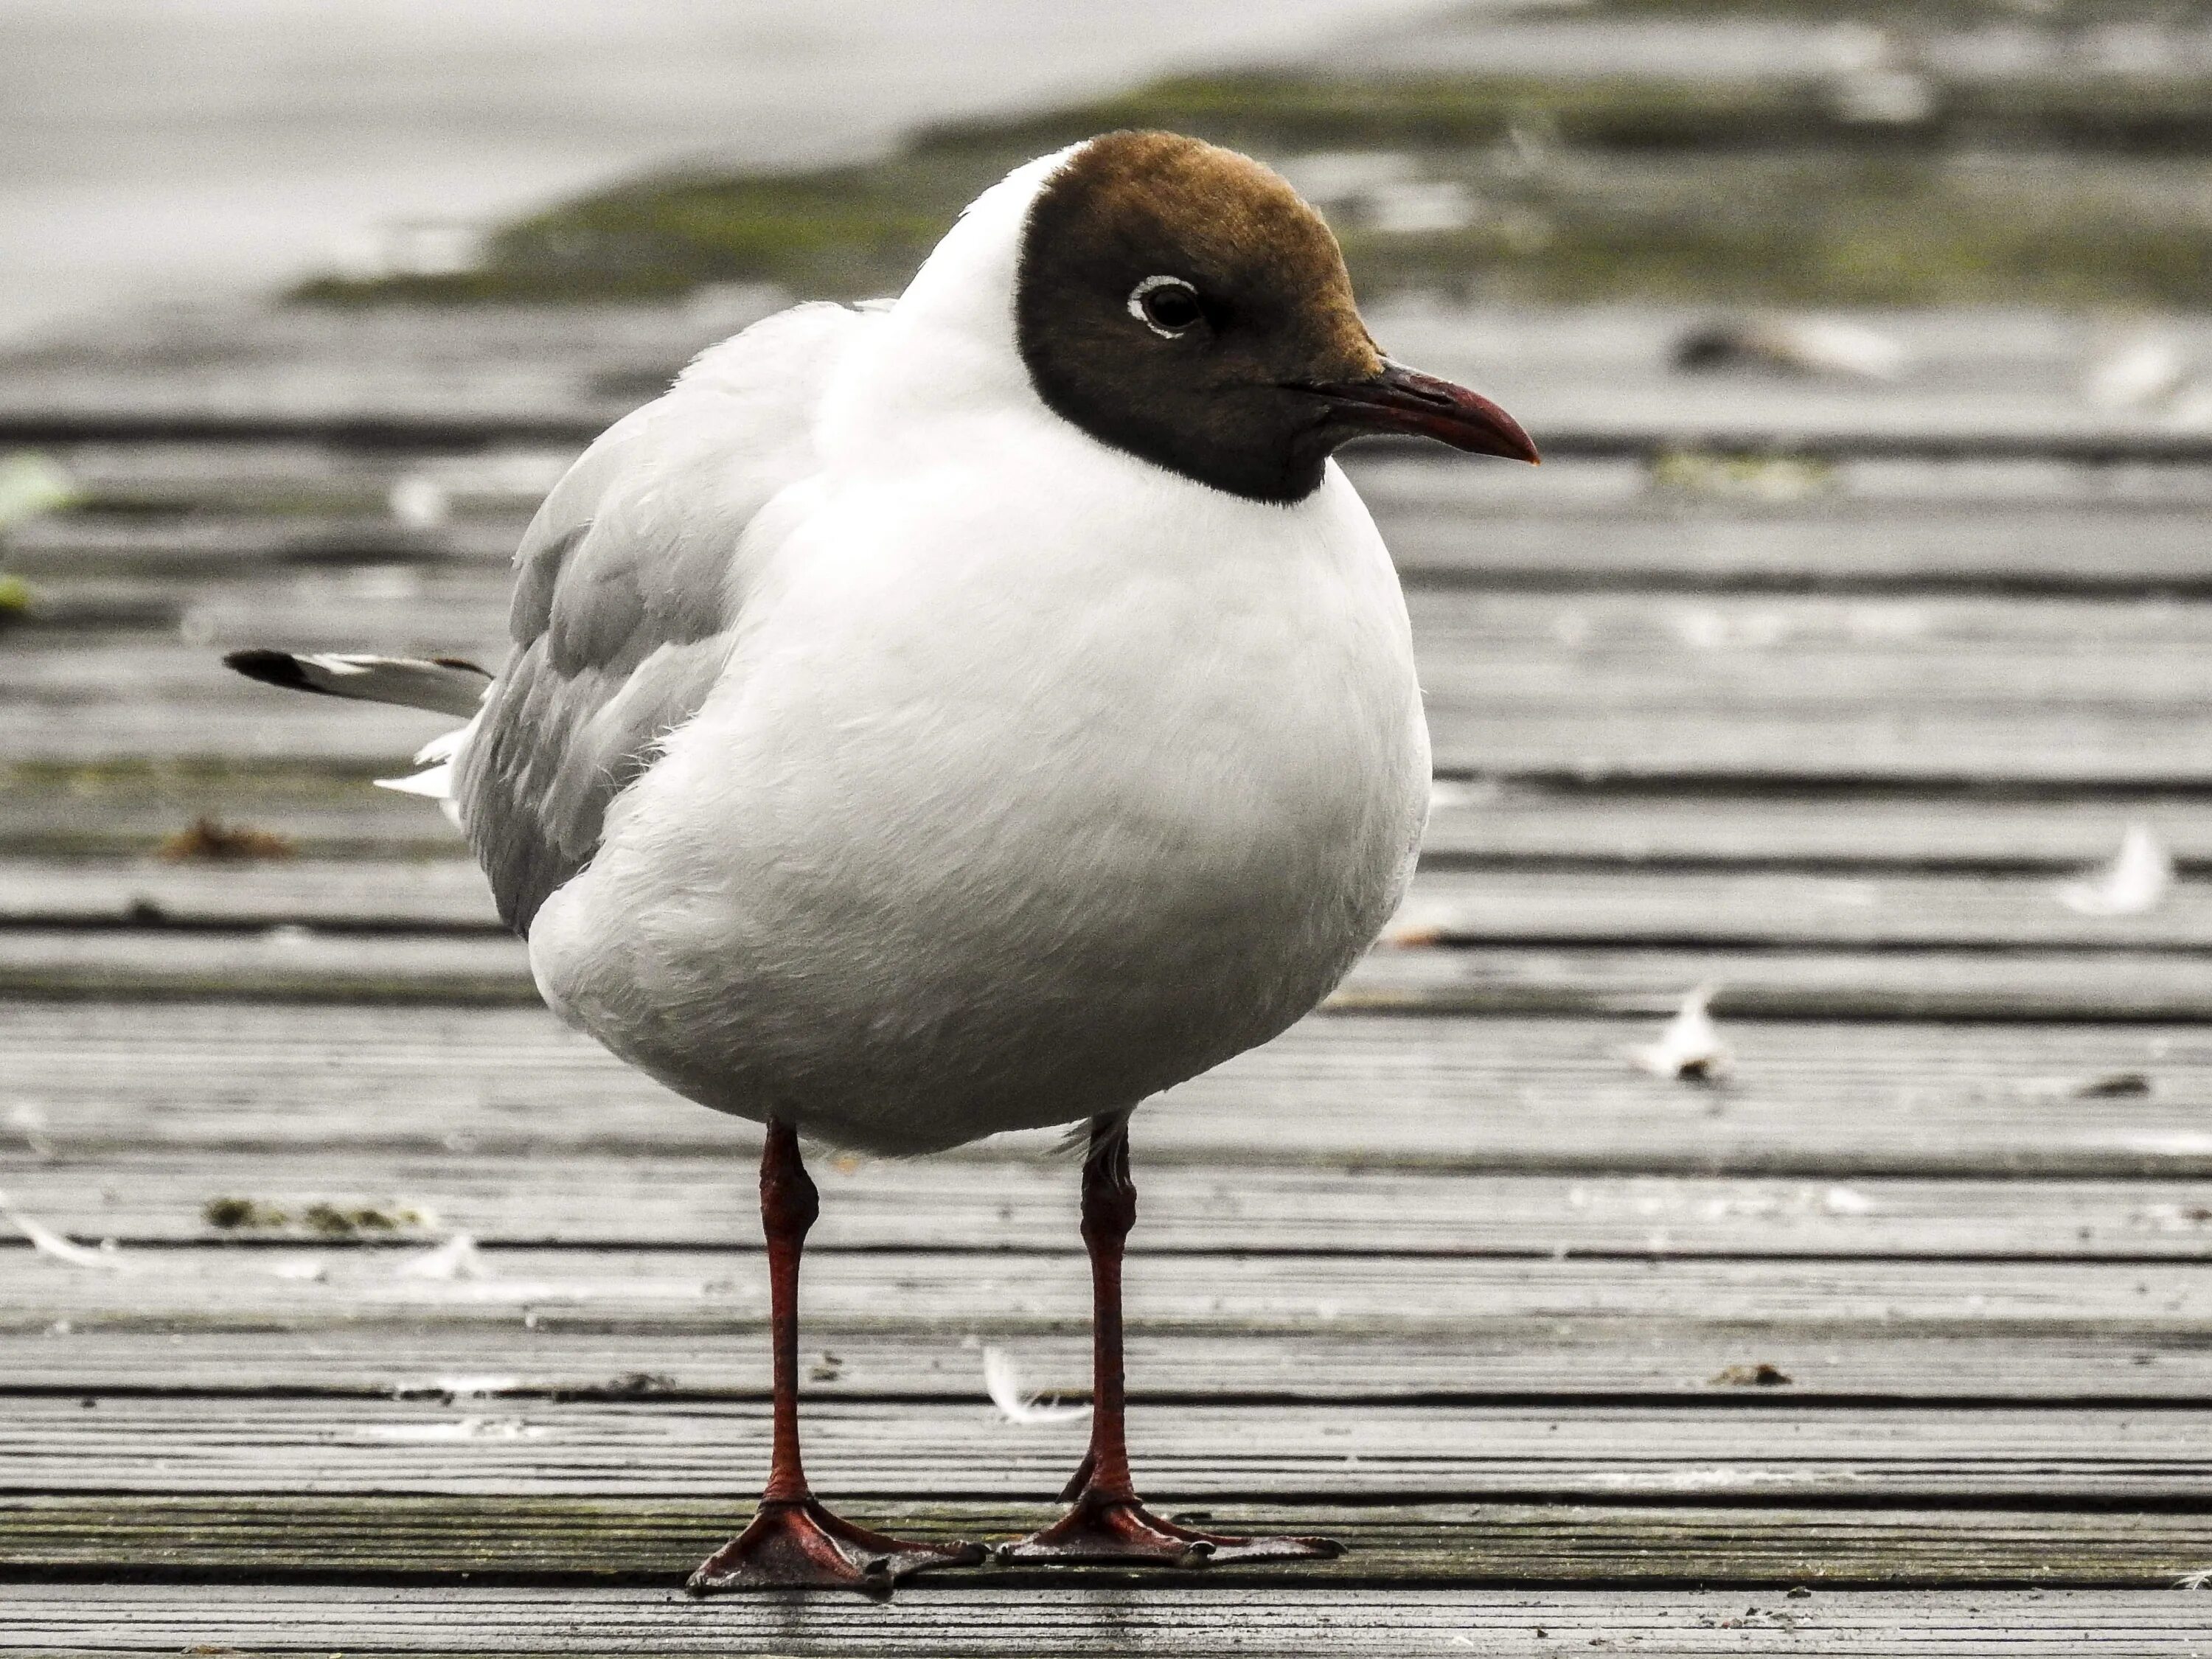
x: 1518, y: 445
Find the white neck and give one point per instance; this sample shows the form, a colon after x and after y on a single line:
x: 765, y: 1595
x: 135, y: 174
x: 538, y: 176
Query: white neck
x: 948, y: 345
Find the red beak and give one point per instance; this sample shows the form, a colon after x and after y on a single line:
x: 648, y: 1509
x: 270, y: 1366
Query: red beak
x: 1402, y: 399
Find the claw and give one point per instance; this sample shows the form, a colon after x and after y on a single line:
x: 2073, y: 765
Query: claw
x: 797, y: 1544
x: 1114, y: 1531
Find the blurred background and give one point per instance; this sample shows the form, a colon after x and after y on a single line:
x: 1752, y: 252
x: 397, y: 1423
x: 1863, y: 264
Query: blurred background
x: 1861, y: 152
x: 185, y: 149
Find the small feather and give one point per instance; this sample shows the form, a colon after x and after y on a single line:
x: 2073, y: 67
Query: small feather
x: 456, y: 1258
x: 2134, y: 881
x: 56, y: 1248
x: 1004, y: 1384
x: 1691, y: 1045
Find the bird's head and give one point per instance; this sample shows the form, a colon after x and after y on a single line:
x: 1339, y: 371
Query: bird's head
x: 1182, y: 302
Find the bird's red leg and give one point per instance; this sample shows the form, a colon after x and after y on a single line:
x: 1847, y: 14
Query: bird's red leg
x: 793, y: 1542
x: 1109, y: 1525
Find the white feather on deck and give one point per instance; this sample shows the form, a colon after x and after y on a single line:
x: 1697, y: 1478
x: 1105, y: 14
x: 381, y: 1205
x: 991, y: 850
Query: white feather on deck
x: 1004, y: 1383
x: 1691, y: 1045
x: 2132, y: 883
x: 58, y: 1246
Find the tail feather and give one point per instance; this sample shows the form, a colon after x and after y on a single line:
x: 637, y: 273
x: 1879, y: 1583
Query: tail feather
x: 436, y: 781
x: 444, y: 685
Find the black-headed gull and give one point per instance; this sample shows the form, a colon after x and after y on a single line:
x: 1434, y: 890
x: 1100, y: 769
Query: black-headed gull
x: 977, y: 712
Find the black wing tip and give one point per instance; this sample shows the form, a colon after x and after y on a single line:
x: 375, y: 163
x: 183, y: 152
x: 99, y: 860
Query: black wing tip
x: 271, y: 668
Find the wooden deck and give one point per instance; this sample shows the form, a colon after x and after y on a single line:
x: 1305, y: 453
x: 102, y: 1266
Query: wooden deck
x: 1898, y: 1340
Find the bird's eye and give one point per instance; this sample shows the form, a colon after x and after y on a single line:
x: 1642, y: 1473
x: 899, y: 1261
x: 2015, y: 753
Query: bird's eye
x: 1166, y: 305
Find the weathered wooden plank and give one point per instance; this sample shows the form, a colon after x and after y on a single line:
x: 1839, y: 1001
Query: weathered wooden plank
x: 1022, y: 1292
x: 451, y: 350
x: 1540, y: 685
x: 921, y: 1449
x: 1819, y: 423
x: 1713, y: 741
x: 2072, y: 986
x: 1526, y: 684
x: 288, y: 352
x: 93, y: 606
x: 964, y: 1618
x: 1920, y: 549
x: 437, y: 894
x: 1512, y: 650
x: 285, y: 964
x: 1670, y: 909
x: 943, y: 1620
x: 125, y: 674
x: 1687, y: 908
x: 186, y: 477
x: 642, y: 1198
x: 502, y: 1362
x: 159, y: 411
x: 1820, y: 1101
x: 1648, y: 544
x: 1580, y: 378
x: 1423, y: 481
x: 242, y: 478
x: 582, y: 1541
x: 1503, y: 823
x: 157, y: 480
x: 132, y: 814
x: 73, y: 729
x: 179, y: 625
x: 1928, y: 984
x: 332, y: 813
x: 170, y: 554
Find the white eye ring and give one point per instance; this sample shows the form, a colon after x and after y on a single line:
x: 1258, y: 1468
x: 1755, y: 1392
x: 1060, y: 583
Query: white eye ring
x: 1137, y: 304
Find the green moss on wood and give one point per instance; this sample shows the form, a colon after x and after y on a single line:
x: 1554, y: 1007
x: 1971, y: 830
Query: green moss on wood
x: 658, y: 1541
x: 1578, y: 190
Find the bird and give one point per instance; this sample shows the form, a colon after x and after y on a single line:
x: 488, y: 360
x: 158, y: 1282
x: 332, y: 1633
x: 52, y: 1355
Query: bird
x: 976, y: 711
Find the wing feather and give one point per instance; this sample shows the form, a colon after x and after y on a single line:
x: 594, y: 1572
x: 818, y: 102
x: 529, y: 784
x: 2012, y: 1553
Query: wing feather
x: 629, y: 583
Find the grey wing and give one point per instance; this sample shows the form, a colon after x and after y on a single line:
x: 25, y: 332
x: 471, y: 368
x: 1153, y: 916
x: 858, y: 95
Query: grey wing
x: 629, y: 583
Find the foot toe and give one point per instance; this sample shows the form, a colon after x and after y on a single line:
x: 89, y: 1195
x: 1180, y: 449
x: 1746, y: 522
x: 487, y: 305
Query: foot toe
x: 1122, y: 1532
x: 797, y: 1544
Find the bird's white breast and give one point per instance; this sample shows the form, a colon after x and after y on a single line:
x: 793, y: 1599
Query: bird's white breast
x: 1038, y: 783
